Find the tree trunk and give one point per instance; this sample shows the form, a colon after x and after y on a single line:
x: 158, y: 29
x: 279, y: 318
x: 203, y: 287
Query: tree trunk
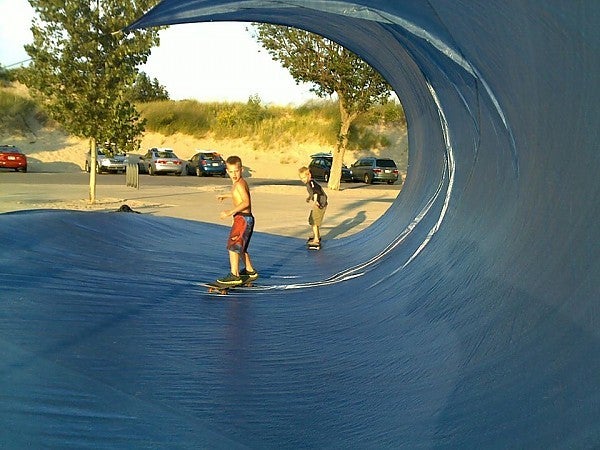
x: 93, y: 164
x: 347, y: 118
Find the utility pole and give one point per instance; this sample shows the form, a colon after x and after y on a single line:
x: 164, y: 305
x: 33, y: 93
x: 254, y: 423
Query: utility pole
x: 93, y: 164
x: 93, y: 143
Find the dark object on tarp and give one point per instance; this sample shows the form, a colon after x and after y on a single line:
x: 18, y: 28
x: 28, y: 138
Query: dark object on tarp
x: 127, y: 209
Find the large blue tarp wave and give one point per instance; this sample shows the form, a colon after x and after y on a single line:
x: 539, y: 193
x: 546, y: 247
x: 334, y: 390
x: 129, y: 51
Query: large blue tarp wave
x: 468, y: 318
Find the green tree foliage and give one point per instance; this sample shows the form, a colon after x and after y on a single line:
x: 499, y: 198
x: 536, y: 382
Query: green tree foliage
x: 9, y: 75
x: 83, y: 65
x: 4, y: 75
x: 332, y: 69
x: 146, y: 90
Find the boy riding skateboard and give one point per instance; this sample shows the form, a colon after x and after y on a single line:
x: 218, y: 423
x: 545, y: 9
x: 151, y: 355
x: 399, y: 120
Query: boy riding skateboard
x: 319, y: 199
x: 241, y: 229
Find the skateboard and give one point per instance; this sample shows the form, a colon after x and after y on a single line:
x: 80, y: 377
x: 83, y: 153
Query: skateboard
x: 223, y: 289
x: 313, y: 246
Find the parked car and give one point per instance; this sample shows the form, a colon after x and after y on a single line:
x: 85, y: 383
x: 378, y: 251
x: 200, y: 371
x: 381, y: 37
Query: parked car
x: 160, y: 160
x: 373, y: 169
x: 206, y: 163
x: 320, y: 167
x: 12, y: 157
x: 105, y: 163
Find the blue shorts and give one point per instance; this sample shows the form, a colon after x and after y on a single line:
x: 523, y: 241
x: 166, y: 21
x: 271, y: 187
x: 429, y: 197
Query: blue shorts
x: 241, y: 232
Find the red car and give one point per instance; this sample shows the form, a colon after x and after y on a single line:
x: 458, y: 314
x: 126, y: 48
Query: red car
x: 12, y: 158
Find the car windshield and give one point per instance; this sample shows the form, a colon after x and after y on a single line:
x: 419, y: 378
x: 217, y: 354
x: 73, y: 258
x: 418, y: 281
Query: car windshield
x: 211, y: 157
x: 386, y: 163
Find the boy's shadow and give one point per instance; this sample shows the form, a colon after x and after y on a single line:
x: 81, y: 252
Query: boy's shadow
x: 346, y: 225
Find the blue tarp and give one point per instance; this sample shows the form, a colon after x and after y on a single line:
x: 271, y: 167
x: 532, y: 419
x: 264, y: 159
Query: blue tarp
x: 469, y: 317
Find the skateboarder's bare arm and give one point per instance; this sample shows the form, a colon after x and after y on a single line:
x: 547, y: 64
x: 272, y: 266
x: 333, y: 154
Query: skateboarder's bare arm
x: 240, y: 194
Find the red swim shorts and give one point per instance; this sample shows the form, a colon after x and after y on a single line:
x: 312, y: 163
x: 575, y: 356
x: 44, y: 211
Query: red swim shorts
x: 241, y: 232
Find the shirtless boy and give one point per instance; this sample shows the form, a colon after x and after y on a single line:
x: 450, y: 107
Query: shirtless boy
x: 243, y: 225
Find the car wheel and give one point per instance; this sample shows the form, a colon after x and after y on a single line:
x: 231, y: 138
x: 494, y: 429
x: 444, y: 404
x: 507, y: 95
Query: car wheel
x: 326, y: 177
x: 367, y: 178
x: 98, y: 170
x: 198, y: 172
x: 151, y: 170
x: 87, y: 167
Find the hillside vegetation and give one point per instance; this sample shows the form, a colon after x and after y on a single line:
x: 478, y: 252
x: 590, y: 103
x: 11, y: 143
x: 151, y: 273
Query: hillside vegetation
x: 268, y: 127
x: 18, y: 112
x: 288, y: 133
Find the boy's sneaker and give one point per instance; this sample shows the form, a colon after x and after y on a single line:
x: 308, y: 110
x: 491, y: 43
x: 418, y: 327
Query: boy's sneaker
x: 230, y: 280
x: 248, y: 275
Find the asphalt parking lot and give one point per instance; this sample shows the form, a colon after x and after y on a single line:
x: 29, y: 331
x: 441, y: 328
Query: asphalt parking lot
x: 109, y: 179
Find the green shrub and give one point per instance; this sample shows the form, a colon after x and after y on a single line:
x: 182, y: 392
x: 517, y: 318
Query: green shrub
x: 365, y: 138
x: 16, y: 111
x: 168, y: 117
x: 268, y: 127
x: 389, y: 113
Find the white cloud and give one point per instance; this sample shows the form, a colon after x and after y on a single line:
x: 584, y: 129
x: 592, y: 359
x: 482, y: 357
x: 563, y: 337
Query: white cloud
x: 220, y: 61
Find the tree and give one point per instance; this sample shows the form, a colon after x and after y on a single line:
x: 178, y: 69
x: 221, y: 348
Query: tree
x: 4, y: 75
x: 82, y: 67
x: 146, y: 90
x: 332, y: 69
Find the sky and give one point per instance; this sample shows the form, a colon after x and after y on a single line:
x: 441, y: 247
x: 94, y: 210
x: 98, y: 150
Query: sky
x: 201, y: 61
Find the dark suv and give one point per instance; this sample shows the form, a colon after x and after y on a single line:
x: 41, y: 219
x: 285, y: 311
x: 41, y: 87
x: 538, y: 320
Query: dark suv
x: 373, y: 169
x: 320, y: 167
x: 206, y: 163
